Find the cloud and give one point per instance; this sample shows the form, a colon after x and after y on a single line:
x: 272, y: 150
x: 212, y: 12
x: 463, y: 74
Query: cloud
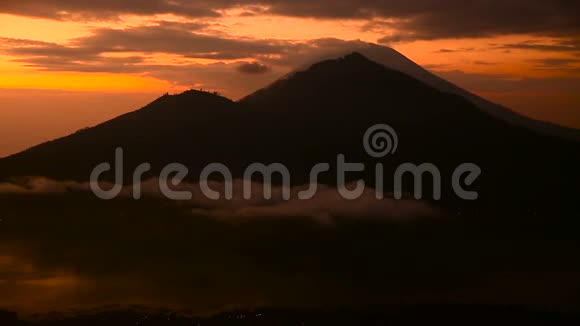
x: 38, y: 185
x: 431, y: 20
x: 555, y: 62
x: 252, y: 68
x: 87, y: 54
x: 137, y: 46
x: 105, y: 9
x: 182, y: 39
x: 571, y: 45
x: 445, y: 51
x: 412, y: 20
x: 178, y: 39
x: 498, y: 83
x: 455, y: 50
x: 326, y: 205
x: 483, y: 63
x: 437, y: 66
x: 133, y: 50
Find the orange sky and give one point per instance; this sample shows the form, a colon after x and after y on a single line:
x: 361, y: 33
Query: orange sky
x: 39, y: 97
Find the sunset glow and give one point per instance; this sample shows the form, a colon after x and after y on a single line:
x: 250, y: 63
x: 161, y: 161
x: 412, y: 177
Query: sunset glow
x: 531, y: 72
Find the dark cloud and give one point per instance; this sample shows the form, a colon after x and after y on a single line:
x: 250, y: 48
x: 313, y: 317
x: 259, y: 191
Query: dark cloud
x: 327, y: 202
x: 105, y: 9
x: 7, y: 42
x: 498, y: 83
x: 437, y: 66
x: 129, y: 50
x: 445, y: 51
x: 88, y: 53
x: 556, y: 62
x: 252, y: 68
x: 483, y: 63
x: 247, y: 14
x: 430, y: 20
x: 562, y: 46
x: 455, y: 50
x: 179, y: 39
x: 411, y: 20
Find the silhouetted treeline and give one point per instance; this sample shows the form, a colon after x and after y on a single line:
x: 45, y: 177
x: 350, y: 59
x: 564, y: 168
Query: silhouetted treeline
x: 395, y: 315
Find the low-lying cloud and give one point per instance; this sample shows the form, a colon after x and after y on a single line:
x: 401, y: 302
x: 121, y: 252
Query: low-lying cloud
x: 326, y: 205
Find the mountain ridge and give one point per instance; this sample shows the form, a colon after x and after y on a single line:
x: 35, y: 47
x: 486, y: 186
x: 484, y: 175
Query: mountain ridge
x: 310, y: 118
x: 395, y: 60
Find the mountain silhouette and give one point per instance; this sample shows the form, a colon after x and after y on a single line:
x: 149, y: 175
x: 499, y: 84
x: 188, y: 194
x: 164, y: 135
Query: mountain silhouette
x: 313, y: 115
x: 516, y: 244
x: 392, y: 59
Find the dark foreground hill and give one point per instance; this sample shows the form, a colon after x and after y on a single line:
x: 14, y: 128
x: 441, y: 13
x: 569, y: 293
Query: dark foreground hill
x: 394, y: 315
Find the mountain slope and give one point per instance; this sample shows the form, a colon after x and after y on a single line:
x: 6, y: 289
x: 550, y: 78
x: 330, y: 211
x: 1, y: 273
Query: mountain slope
x: 392, y: 59
x: 168, y: 128
x: 349, y: 94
